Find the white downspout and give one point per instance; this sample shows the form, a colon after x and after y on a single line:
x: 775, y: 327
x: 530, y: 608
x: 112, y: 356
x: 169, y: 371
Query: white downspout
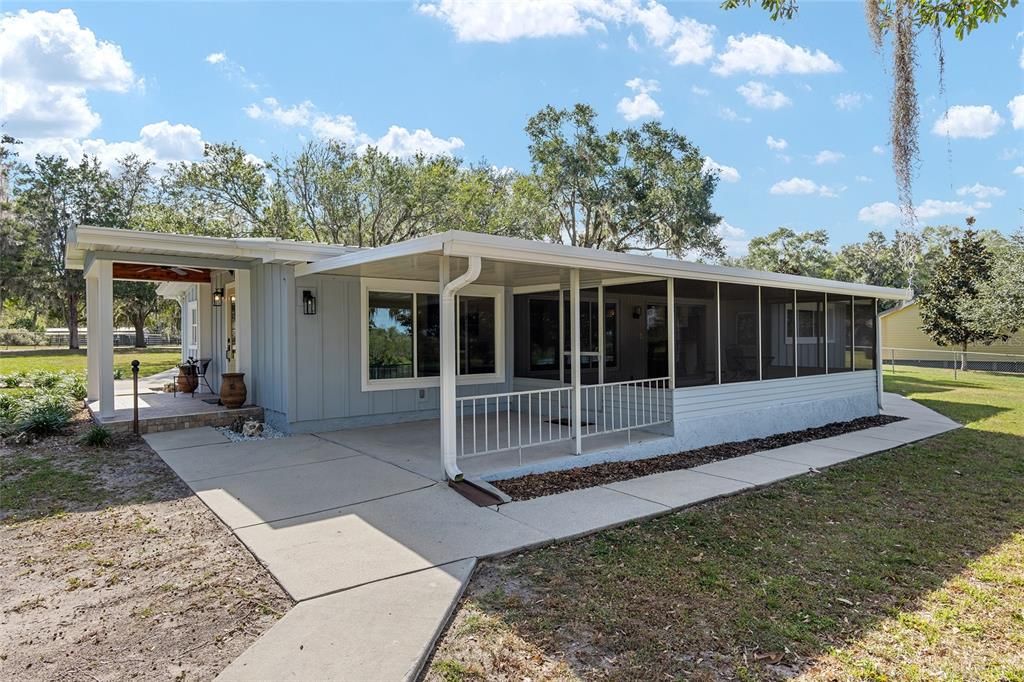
x: 449, y: 332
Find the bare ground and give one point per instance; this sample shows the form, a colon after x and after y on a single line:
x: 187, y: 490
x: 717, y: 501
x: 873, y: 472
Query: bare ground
x: 114, y: 570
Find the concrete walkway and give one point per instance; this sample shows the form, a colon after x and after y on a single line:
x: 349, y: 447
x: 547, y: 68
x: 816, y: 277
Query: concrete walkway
x: 377, y: 555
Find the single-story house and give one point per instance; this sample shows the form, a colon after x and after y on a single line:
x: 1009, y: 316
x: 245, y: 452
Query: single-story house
x: 504, y: 344
x: 907, y: 344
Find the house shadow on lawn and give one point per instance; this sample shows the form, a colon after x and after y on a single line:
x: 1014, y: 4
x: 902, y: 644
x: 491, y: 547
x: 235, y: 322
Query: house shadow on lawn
x: 763, y: 585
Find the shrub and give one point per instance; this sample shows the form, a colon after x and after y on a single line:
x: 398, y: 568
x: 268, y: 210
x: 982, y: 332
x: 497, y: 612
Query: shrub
x: 118, y: 373
x: 43, y: 380
x: 46, y: 413
x: 10, y: 413
x: 73, y: 385
x: 21, y: 337
x: 97, y: 437
x: 12, y: 380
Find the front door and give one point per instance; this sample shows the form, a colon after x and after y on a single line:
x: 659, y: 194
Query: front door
x: 230, y: 328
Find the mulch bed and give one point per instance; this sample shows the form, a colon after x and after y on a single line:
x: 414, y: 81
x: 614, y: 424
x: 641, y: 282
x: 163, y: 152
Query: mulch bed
x: 551, y: 483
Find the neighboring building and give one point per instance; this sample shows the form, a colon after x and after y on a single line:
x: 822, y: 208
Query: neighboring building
x: 905, y: 343
x: 507, y: 344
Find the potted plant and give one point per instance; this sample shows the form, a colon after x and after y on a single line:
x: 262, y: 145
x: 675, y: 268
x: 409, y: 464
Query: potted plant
x: 188, y: 376
x: 232, y: 389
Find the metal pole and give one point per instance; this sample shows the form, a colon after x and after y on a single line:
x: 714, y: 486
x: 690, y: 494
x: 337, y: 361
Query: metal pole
x: 135, y: 397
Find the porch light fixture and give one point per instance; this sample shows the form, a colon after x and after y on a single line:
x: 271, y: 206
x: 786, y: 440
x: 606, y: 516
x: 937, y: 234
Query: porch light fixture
x: 218, y: 298
x: 308, y: 302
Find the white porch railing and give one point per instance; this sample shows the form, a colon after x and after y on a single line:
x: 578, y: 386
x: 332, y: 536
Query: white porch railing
x: 512, y: 421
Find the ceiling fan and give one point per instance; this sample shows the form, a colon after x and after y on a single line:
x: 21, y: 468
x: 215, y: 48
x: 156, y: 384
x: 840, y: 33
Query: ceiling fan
x: 180, y: 271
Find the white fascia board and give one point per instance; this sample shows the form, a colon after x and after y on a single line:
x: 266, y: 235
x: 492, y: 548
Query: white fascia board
x: 465, y: 244
x: 412, y: 247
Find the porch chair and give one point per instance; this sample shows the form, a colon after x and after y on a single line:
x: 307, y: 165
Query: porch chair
x: 204, y: 364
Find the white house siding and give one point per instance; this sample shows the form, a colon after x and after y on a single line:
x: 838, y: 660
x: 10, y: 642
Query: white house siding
x: 705, y: 415
x: 326, y: 374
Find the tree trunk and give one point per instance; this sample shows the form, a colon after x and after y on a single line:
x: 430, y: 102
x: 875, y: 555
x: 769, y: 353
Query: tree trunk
x: 72, y: 320
x: 140, y: 332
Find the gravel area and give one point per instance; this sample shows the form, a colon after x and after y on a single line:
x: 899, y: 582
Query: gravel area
x: 539, y: 485
x: 269, y: 432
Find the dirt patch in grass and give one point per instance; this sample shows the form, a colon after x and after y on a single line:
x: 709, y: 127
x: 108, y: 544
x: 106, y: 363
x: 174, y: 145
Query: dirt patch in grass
x: 114, y: 570
x: 551, y: 483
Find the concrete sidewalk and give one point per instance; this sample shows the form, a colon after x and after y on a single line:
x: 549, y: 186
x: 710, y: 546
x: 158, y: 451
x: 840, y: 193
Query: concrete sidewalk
x: 377, y: 555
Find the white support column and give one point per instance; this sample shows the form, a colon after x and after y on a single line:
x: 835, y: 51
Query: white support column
x: 878, y: 356
x: 243, y: 333
x: 204, y: 305
x: 574, y: 317
x: 600, y: 333
x: 670, y: 295
x: 92, y: 347
x: 105, y: 337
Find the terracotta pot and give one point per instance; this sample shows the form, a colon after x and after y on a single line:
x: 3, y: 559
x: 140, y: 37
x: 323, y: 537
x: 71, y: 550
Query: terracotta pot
x: 188, y: 380
x: 232, y: 389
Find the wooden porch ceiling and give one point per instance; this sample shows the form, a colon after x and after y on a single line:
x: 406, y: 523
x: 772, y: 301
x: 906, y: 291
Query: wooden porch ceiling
x: 160, y: 273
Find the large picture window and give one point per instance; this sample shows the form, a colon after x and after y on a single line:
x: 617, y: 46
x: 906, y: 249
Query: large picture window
x: 810, y: 332
x: 402, y: 342
x: 739, y: 323
x: 839, y: 333
x: 864, y: 333
x: 696, y: 333
x: 777, y: 339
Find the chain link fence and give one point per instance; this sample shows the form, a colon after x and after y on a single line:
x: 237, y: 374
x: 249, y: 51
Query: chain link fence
x: 954, y: 360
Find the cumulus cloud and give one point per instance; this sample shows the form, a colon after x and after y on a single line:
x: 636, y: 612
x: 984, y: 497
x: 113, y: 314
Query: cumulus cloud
x: 776, y: 144
x: 828, y: 156
x: 729, y: 114
x: 880, y: 213
x: 162, y: 143
x: 801, y: 186
x: 684, y: 40
x: 735, y: 239
x: 697, y: 90
x: 980, y: 191
x: 770, y: 55
x: 215, y: 57
x: 847, y: 101
x: 977, y: 122
x: 1016, y: 107
x: 641, y: 104
x: 1019, y: 170
x: 886, y: 212
x: 725, y: 173
x: 761, y: 96
x: 49, y: 64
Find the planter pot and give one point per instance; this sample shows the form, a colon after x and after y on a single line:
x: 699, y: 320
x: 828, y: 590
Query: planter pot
x: 232, y: 389
x: 188, y: 380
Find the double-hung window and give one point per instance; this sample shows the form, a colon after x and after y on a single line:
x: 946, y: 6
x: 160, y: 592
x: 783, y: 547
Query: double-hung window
x: 401, y: 340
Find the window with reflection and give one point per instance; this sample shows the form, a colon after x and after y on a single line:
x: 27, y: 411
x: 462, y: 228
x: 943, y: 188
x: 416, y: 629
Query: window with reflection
x: 476, y: 335
x: 390, y: 338
x: 839, y: 333
x: 864, y: 333
x: 428, y: 335
x: 777, y: 340
x: 739, y: 327
x: 810, y: 332
x: 696, y: 332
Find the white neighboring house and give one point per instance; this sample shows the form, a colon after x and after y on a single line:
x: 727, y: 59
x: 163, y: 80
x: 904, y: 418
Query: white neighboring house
x: 508, y: 343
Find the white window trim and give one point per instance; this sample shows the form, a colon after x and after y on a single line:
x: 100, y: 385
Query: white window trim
x: 192, y: 319
x: 401, y: 286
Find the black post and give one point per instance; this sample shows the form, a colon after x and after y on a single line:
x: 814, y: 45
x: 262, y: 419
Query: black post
x: 135, y: 397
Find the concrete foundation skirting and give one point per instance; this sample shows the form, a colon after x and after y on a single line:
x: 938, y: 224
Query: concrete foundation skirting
x: 183, y: 421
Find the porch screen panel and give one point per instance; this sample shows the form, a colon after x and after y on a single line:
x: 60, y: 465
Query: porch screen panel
x: 864, y: 333
x: 476, y: 335
x: 739, y: 332
x: 428, y: 335
x: 839, y: 332
x: 777, y: 339
x: 390, y: 337
x: 696, y: 333
x: 810, y: 332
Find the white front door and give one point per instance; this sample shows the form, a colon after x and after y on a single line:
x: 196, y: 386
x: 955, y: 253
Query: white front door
x: 230, y: 327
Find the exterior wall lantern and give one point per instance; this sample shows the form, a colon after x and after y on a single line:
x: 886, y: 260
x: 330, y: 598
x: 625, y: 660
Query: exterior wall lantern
x: 308, y: 302
x: 218, y: 298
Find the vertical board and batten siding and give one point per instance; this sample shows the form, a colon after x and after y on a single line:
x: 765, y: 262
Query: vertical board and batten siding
x: 271, y: 291
x: 327, y: 355
x: 219, y: 279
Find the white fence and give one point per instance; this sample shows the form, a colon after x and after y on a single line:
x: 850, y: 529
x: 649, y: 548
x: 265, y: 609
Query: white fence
x: 956, y: 360
x: 521, y: 419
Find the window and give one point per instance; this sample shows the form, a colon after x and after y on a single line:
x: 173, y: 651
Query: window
x: 810, y: 333
x: 838, y: 333
x: 696, y: 333
x: 864, y: 333
x: 543, y: 334
x: 777, y: 342
x: 402, y: 343
x: 193, y: 329
x: 739, y: 325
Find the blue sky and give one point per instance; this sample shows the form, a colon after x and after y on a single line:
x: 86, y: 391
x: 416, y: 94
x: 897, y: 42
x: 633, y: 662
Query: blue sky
x: 795, y: 114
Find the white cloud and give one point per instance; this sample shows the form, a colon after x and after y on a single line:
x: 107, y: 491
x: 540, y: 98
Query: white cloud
x: 776, y: 144
x: 933, y: 208
x: 684, y: 40
x: 49, y: 64
x: 231, y: 69
x: 977, y: 122
x: 632, y: 44
x: 640, y: 105
x: 730, y: 114
x: 1019, y: 170
x: 697, y: 90
x: 980, y: 191
x: 881, y: 213
x: 1016, y: 107
x: 400, y: 142
x: 847, y: 101
x: 341, y: 127
x: 298, y: 115
x: 735, y: 239
x: 761, y: 96
x: 863, y: 178
x: 886, y: 212
x: 828, y: 156
x: 770, y: 55
x: 878, y: 149
x: 801, y: 186
x: 162, y: 143
x: 215, y: 57
x: 725, y: 173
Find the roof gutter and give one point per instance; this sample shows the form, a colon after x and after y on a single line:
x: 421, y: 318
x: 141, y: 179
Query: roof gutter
x: 449, y: 446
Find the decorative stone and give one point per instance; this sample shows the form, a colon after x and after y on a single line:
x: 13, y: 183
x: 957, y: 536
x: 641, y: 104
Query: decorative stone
x: 252, y: 429
x: 237, y: 424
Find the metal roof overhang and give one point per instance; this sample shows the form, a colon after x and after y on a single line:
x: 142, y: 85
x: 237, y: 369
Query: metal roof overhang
x: 523, y: 263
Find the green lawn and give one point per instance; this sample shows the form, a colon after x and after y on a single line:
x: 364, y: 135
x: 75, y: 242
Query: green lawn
x: 907, y: 565
x: 152, y: 360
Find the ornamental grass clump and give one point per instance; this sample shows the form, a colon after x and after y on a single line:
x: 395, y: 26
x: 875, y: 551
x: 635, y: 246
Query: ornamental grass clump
x: 45, y: 413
